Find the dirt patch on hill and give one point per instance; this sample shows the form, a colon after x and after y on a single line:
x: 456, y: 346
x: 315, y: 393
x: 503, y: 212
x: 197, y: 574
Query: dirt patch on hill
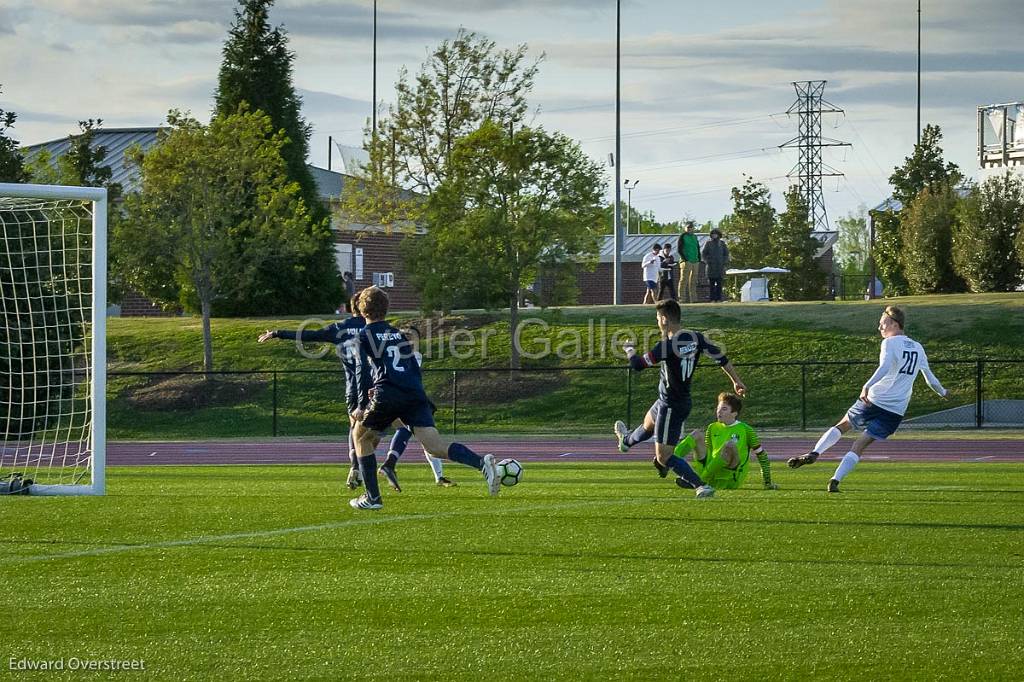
x: 193, y: 392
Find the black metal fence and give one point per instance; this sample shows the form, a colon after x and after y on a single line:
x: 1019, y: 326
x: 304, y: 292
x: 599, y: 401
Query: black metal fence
x: 557, y: 400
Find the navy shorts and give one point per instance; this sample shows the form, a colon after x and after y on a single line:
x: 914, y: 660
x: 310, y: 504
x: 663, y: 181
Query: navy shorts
x: 651, y: 284
x: 384, y: 410
x: 669, y: 421
x: 873, y: 420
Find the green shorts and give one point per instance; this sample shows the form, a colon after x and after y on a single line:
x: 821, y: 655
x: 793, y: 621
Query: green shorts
x: 727, y: 478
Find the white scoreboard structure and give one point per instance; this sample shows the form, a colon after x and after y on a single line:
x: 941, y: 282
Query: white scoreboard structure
x: 1000, y: 139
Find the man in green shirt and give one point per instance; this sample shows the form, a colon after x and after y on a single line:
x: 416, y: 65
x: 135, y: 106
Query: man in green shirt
x: 722, y: 453
x: 688, y: 249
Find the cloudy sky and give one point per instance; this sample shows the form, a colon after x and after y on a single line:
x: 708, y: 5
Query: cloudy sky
x: 705, y: 85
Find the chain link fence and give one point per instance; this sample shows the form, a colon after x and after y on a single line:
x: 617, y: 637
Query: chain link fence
x: 565, y: 400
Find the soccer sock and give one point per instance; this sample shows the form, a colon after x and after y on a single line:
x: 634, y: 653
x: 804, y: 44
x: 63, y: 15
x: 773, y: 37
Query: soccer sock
x: 368, y: 469
x: 436, y: 465
x: 639, y: 435
x: 849, y: 461
x: 684, y: 446
x: 684, y: 471
x: 399, y: 442
x: 457, y: 452
x: 766, y: 467
x: 827, y: 440
x: 352, y: 449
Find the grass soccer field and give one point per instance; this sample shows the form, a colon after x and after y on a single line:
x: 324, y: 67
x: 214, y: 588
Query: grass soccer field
x: 585, y: 570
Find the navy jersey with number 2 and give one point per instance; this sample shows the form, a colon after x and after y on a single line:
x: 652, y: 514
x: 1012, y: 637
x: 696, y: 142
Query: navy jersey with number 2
x: 394, y: 372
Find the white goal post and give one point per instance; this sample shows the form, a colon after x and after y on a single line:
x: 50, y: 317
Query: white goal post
x: 53, y: 351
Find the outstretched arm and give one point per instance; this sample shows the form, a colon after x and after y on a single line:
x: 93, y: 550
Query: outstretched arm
x: 933, y: 382
x: 737, y: 383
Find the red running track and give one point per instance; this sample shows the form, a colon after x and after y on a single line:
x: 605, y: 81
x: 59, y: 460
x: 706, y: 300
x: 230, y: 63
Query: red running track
x: 282, y: 451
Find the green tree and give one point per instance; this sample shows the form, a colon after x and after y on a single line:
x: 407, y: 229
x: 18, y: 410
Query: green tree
x: 792, y: 246
x: 83, y: 165
x: 510, y: 206
x: 990, y: 219
x: 750, y: 225
x: 11, y: 163
x: 216, y: 216
x: 925, y: 168
x: 927, y: 226
x: 257, y: 68
x: 888, y: 253
x: 38, y: 336
x: 853, y: 243
x: 463, y: 83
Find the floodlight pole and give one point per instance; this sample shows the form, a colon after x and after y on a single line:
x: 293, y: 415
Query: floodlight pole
x: 373, y: 125
x: 617, y: 237
x: 919, y: 72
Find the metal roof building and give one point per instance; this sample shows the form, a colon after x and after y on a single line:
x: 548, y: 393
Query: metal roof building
x: 119, y: 140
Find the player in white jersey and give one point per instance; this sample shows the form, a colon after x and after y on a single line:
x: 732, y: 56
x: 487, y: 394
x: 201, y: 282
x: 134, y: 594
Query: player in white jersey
x: 883, y: 400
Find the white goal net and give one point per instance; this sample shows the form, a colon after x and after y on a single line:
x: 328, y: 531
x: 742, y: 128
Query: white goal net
x: 52, y: 339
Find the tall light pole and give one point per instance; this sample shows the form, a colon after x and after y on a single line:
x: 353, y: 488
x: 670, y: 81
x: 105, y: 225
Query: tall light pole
x: 373, y: 125
x: 629, y: 200
x: 919, y: 71
x: 617, y: 237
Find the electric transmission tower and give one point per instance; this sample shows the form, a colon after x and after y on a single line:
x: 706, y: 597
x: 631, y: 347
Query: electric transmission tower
x: 809, y: 168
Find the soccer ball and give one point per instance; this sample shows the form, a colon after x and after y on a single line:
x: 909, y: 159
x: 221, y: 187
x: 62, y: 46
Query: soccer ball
x: 510, y: 471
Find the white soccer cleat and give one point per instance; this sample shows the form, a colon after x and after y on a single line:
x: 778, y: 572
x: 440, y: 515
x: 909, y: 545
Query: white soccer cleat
x: 621, y: 432
x: 491, y: 475
x: 365, y: 502
x: 704, y: 492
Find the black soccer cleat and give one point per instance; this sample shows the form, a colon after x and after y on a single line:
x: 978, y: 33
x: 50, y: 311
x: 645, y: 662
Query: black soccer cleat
x: 683, y: 483
x: 662, y: 469
x: 354, y: 480
x: 833, y: 485
x: 446, y: 483
x: 388, y: 473
x: 797, y: 462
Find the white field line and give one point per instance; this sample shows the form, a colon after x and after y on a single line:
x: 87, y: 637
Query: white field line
x: 366, y: 521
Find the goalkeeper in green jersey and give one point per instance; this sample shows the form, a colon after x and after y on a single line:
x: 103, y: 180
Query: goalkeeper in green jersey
x: 722, y: 453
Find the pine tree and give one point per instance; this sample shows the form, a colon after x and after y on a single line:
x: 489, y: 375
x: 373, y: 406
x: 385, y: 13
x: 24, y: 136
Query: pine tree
x: 793, y: 247
x: 257, y: 69
x: 750, y: 225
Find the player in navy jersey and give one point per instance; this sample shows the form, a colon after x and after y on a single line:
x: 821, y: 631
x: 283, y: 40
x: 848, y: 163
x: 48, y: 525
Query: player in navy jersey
x: 343, y: 334
x: 400, y: 440
x: 396, y: 394
x: 678, y: 353
x: 883, y: 399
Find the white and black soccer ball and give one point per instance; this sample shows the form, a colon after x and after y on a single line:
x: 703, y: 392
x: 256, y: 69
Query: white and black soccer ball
x: 510, y: 471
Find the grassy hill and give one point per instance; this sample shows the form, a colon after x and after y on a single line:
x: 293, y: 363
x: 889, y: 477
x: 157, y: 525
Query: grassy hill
x: 551, y: 397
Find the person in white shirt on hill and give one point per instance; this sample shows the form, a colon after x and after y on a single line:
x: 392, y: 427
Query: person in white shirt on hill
x: 651, y: 266
x: 883, y: 399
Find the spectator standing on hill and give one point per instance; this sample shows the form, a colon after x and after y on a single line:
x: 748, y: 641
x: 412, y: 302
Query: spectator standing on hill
x: 651, y: 265
x: 716, y: 258
x: 350, y: 289
x: 688, y: 249
x: 667, y: 277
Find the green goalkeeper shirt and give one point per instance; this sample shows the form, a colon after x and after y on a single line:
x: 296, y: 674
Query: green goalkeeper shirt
x: 718, y: 434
